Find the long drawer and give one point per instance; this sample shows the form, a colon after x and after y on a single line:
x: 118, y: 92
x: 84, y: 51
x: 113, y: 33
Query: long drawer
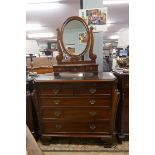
x: 58, y: 126
x: 76, y: 113
x: 74, y: 89
x: 105, y: 100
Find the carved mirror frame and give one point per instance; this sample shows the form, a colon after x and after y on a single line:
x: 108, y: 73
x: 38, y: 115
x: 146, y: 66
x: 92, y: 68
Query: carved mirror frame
x: 75, y: 59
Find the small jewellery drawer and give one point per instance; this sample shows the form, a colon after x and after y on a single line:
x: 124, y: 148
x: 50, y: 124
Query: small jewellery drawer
x: 59, y: 126
x: 69, y: 69
x: 105, y: 100
x: 75, y: 113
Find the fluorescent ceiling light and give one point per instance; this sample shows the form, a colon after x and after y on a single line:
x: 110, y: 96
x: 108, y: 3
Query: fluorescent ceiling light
x: 109, y: 24
x: 41, y: 1
x: 115, y: 2
x: 33, y: 27
x: 42, y: 6
x: 40, y: 35
x: 52, y: 39
x: 123, y: 29
x: 114, y: 37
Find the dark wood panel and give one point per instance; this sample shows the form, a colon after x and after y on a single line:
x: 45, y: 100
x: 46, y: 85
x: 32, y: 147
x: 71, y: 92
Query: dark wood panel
x: 105, y: 100
x: 125, y: 120
x: 75, y: 127
x: 75, y: 113
x: 29, y: 111
x: 122, y: 122
x: 31, y: 116
x: 74, y: 88
x: 75, y: 68
x: 92, y: 90
x: 56, y: 91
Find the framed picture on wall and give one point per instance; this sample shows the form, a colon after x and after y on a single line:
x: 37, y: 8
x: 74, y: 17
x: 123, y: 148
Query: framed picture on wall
x: 82, y: 37
x: 95, y: 17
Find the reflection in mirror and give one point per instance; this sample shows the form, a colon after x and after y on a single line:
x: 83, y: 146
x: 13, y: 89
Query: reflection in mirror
x: 74, y: 37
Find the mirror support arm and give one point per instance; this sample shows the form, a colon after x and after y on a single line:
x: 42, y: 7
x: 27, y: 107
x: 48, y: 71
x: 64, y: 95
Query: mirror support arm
x: 59, y: 57
x: 92, y: 55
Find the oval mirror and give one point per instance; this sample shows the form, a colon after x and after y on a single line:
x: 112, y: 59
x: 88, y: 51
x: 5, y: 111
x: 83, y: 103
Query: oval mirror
x: 75, y: 36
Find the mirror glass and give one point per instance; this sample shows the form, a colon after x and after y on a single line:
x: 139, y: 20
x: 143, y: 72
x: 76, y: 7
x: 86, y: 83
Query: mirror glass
x: 74, y: 37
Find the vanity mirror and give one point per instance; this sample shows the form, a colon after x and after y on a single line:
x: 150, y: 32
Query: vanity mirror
x: 74, y: 40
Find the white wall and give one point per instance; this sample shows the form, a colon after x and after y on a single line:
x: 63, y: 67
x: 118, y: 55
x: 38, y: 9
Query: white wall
x: 123, y: 40
x: 98, y: 37
x: 42, y: 46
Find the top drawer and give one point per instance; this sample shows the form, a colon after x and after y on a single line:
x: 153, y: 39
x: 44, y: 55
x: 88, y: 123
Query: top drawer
x: 55, y: 89
x: 94, y: 88
x: 88, y: 88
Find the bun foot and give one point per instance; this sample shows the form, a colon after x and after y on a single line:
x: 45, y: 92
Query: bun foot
x: 45, y: 140
x: 108, y: 142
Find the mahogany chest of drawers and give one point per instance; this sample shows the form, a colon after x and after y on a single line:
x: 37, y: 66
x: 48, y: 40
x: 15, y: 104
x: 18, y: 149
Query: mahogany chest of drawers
x: 77, y: 105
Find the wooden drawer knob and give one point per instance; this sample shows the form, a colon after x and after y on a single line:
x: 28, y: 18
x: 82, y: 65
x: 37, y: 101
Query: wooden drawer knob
x: 92, y: 127
x: 57, y: 113
x: 92, y: 101
x: 92, y: 90
x: 58, y: 126
x: 55, y: 91
x: 56, y: 102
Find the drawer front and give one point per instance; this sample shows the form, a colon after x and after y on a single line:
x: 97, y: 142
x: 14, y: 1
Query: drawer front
x: 69, y: 69
x: 75, y: 101
x: 75, y: 113
x: 91, y: 68
x: 87, y: 88
x: 94, y: 89
x: 75, y: 127
x: 76, y: 69
x: 55, y: 89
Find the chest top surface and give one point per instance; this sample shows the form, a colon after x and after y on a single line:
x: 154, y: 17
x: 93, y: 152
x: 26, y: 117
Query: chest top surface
x: 76, y: 77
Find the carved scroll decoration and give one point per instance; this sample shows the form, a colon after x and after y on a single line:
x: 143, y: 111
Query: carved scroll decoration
x: 59, y: 57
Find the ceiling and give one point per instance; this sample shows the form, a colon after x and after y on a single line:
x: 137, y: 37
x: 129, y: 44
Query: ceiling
x: 51, y: 19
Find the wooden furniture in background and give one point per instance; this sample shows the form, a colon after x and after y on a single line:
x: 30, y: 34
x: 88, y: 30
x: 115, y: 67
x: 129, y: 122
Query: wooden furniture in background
x: 77, y: 105
x: 41, y: 65
x: 41, y: 70
x: 31, y: 115
x: 122, y: 122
